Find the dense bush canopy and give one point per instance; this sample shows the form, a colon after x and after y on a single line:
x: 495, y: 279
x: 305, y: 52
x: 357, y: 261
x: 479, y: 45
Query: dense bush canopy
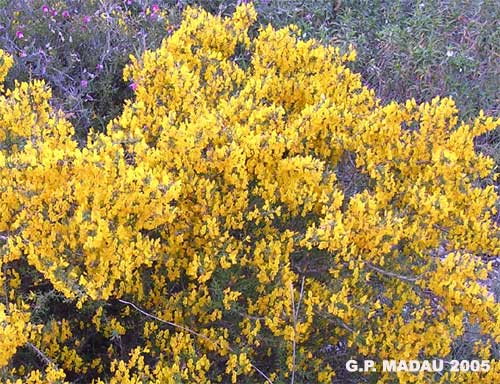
x: 255, y: 214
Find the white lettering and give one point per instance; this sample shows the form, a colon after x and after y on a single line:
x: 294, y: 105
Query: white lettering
x: 389, y: 366
x: 351, y: 366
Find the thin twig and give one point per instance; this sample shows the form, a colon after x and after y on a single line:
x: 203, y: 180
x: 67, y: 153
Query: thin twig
x: 41, y: 355
x: 294, y: 333
x: 295, y: 315
x: 301, y: 293
x: 190, y: 331
x: 5, y: 288
x: 391, y: 274
x: 344, y: 325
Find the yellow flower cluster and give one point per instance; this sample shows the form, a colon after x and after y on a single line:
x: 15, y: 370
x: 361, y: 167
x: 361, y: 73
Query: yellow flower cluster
x: 14, y: 326
x: 5, y: 64
x: 253, y: 210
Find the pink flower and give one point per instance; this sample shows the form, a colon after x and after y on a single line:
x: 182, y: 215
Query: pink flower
x: 84, y: 83
x: 99, y: 67
x: 86, y: 19
x: 45, y: 8
x: 133, y: 86
x: 65, y: 14
x: 54, y: 12
x: 155, y: 8
x: 19, y: 34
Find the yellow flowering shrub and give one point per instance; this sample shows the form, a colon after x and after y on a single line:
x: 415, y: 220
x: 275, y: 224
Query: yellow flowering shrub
x: 254, y: 215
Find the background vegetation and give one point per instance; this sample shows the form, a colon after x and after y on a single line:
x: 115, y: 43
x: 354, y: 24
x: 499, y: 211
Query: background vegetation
x: 405, y: 49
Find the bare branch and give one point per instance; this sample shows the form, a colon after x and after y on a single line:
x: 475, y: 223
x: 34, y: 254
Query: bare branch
x: 294, y: 319
x: 40, y: 354
x: 295, y: 315
x: 190, y: 331
x: 391, y: 274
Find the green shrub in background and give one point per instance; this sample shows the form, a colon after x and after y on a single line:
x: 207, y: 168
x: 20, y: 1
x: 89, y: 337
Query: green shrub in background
x: 406, y: 49
x: 80, y: 49
x: 426, y: 48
